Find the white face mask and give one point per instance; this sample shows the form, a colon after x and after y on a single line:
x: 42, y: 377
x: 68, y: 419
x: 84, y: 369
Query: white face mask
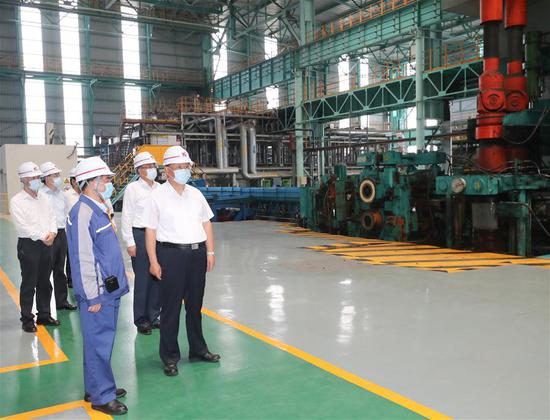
x: 57, y: 182
x: 151, y: 174
x: 35, y: 184
x: 181, y: 176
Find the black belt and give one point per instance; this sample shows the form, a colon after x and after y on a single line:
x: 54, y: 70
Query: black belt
x: 61, y: 229
x: 181, y: 246
x: 138, y: 228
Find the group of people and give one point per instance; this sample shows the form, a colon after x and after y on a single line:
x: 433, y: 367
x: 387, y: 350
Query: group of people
x: 169, y: 238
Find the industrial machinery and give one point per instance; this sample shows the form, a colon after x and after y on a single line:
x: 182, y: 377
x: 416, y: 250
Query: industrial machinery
x: 490, y: 192
x: 391, y: 199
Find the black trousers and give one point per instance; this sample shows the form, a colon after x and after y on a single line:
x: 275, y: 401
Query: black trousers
x: 183, y: 277
x: 35, y: 259
x: 59, y: 256
x: 68, y: 269
x: 146, y: 287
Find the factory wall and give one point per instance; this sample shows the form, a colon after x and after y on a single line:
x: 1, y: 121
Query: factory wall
x: 173, y: 53
x: 10, y: 88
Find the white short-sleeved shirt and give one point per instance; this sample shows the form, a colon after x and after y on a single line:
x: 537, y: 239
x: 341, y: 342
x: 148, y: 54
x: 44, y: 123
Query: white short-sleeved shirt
x: 33, y: 217
x: 71, y: 197
x: 57, y: 200
x: 136, y: 197
x: 177, y: 218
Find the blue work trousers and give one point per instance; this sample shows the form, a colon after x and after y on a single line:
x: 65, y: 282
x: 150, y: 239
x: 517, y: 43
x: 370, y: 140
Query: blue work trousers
x: 98, y: 332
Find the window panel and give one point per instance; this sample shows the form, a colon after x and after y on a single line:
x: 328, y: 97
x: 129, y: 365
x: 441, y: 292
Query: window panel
x: 131, y: 63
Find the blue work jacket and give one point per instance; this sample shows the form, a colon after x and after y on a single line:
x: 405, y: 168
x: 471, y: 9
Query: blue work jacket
x: 94, y: 253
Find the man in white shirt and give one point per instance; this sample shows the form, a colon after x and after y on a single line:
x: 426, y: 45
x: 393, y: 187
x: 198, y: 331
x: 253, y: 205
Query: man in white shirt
x: 146, y: 287
x: 36, y: 228
x: 72, y: 194
x: 51, y: 177
x: 180, y: 244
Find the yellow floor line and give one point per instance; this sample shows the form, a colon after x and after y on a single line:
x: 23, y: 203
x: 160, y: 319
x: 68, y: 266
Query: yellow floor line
x: 54, y: 352
x: 465, y: 263
x: 437, y: 257
x: 410, y: 255
x: 60, y: 408
x: 402, y: 249
x: 335, y: 370
x: 374, y: 254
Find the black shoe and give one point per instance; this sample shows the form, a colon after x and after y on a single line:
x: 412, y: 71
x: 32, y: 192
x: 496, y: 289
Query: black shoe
x: 206, y: 357
x: 29, y: 327
x: 170, y: 369
x: 120, y: 392
x: 68, y: 306
x: 113, y: 408
x: 144, y: 329
x: 48, y: 321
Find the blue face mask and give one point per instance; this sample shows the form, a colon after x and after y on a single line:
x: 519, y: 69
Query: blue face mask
x: 151, y: 174
x: 181, y: 176
x: 35, y: 184
x: 57, y: 182
x: 108, y: 191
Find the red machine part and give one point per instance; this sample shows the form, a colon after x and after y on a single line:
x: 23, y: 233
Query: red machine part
x: 491, y: 10
x: 491, y: 98
x: 515, y: 83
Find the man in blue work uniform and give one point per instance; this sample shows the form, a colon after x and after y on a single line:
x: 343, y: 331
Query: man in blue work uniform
x: 99, y: 280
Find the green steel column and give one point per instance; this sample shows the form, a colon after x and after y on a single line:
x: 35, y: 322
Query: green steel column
x: 89, y: 139
x: 22, y: 99
x: 307, y: 21
x: 22, y: 103
x: 523, y: 226
x: 207, y: 62
x: 533, y: 63
x: 148, y: 35
x: 420, y: 119
x: 307, y: 27
x: 299, y: 126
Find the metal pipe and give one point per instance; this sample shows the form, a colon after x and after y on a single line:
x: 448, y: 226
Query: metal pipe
x: 219, y: 143
x: 419, y: 84
x: 252, y: 149
x: 244, y: 150
x: 219, y: 171
x: 244, y: 161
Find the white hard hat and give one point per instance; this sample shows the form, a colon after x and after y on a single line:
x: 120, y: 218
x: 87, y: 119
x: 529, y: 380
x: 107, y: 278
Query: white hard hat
x: 72, y: 173
x: 49, y: 168
x: 91, y: 167
x: 143, y: 158
x: 28, y: 170
x: 176, y: 154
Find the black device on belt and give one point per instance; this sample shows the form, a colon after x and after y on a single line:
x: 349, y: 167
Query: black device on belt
x: 111, y: 284
x: 181, y: 246
x: 138, y: 228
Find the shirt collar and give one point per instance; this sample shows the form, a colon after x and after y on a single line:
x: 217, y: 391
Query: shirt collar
x: 145, y: 184
x: 97, y: 206
x: 174, y: 190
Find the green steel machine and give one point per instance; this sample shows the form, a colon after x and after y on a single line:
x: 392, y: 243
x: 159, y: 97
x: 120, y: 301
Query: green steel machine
x: 491, y: 192
x: 391, y: 199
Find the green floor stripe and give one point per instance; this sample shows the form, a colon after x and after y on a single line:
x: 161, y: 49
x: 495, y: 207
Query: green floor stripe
x: 254, y: 379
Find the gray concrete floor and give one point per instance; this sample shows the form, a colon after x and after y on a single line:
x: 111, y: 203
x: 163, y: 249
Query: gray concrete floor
x: 16, y: 346
x: 471, y: 345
